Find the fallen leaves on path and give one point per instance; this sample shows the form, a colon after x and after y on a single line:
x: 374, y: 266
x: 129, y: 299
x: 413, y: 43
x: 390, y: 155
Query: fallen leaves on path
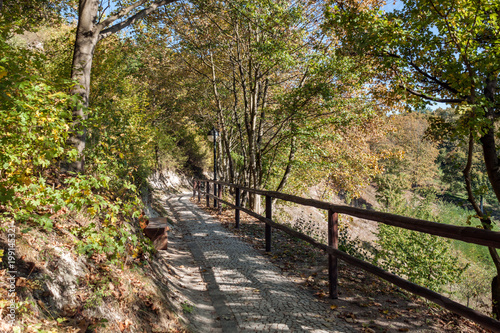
x: 365, y: 301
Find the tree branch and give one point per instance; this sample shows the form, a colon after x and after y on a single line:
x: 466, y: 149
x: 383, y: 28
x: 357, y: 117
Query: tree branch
x: 495, y: 257
x: 291, y: 157
x: 122, y: 13
x: 425, y: 74
x: 194, y: 69
x: 468, y: 182
x: 432, y: 98
x: 485, y: 221
x: 433, y: 78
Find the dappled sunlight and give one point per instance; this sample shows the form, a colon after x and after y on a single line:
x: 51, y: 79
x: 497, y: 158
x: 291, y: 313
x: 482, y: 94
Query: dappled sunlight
x: 255, y: 295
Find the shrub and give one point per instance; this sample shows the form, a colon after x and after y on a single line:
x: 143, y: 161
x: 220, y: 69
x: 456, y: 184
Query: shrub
x: 421, y: 258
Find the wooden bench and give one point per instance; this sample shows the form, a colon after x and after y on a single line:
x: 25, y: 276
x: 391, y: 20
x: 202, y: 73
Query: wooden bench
x: 156, y: 230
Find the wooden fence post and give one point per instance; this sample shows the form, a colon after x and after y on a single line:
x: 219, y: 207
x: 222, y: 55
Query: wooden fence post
x: 199, y: 191
x: 219, y: 195
x: 215, y: 195
x: 207, y: 192
x: 236, y: 210
x: 269, y: 215
x: 333, y: 241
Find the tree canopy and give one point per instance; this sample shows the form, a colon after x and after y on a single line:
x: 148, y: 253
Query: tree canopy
x: 442, y: 51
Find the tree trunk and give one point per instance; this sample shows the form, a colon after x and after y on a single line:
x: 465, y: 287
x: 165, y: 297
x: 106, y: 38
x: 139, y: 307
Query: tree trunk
x: 492, y: 164
x: 488, y: 142
x: 491, y: 160
x: 89, y: 31
x: 495, y: 297
x: 227, y: 148
x: 87, y: 37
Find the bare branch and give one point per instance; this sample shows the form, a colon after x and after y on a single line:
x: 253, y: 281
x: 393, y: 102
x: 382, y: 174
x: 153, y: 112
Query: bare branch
x: 123, y: 12
x: 119, y: 26
x: 103, y: 11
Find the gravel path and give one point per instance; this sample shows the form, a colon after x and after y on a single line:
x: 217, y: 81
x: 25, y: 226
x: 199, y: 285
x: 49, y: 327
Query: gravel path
x: 247, y: 292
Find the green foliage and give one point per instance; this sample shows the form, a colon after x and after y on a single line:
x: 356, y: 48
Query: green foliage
x: 186, y: 307
x: 108, y: 201
x: 130, y: 130
x: 115, y: 242
x: 453, y: 153
x: 421, y: 258
x: 290, y: 109
x: 391, y: 189
x: 350, y: 245
x: 450, y: 213
x: 35, y: 116
x: 19, y: 16
x: 441, y: 50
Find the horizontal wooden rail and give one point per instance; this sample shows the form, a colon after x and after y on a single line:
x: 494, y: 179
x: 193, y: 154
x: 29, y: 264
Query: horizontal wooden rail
x: 467, y: 234
x: 493, y: 239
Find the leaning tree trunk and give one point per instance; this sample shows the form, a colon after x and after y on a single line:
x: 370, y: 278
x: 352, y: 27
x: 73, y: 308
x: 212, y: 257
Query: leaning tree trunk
x: 492, y: 167
x: 87, y: 37
x: 492, y: 164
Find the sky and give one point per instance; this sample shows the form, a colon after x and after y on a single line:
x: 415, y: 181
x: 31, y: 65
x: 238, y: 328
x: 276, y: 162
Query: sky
x: 391, y: 5
x: 397, y: 4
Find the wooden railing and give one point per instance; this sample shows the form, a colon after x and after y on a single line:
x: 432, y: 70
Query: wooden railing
x: 466, y: 234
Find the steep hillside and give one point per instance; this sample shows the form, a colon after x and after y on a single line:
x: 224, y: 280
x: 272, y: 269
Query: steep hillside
x: 61, y: 285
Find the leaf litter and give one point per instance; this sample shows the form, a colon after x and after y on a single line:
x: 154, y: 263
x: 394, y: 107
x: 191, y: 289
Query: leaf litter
x: 366, y: 302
